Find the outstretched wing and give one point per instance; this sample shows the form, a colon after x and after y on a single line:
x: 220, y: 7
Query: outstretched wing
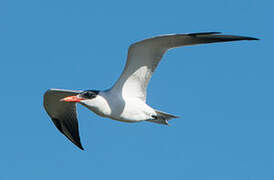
x: 63, y: 114
x: 144, y: 56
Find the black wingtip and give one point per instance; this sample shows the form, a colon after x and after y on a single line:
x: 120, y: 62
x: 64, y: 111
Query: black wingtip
x: 73, y: 137
x: 79, y: 145
x: 75, y: 141
x: 252, y: 38
x: 212, y: 33
x: 248, y: 38
x: 203, y: 33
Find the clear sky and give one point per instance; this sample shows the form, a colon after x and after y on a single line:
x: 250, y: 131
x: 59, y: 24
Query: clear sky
x: 223, y: 92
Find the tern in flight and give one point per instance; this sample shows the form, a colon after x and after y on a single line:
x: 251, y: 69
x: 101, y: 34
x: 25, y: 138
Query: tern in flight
x: 126, y: 100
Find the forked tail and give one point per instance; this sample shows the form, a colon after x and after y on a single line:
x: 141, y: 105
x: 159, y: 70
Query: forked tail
x: 162, y: 117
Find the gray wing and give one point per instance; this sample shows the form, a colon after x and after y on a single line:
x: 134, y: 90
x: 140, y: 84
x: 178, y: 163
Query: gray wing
x: 144, y: 56
x: 63, y: 114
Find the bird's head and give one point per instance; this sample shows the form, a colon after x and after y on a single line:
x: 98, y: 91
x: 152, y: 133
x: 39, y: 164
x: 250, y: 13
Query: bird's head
x: 82, y: 97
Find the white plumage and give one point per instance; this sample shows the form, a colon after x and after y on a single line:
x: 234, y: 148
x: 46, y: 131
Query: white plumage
x: 126, y: 100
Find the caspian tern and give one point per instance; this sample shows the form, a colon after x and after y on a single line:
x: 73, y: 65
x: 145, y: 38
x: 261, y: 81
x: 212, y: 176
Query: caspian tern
x: 126, y: 100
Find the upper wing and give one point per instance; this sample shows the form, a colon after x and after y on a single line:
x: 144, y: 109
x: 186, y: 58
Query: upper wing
x: 63, y: 114
x: 144, y: 56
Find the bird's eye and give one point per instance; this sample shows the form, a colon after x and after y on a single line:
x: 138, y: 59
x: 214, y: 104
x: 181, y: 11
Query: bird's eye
x: 88, y: 95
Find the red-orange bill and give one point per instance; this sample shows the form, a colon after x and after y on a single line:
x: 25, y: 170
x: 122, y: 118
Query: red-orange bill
x: 72, y: 99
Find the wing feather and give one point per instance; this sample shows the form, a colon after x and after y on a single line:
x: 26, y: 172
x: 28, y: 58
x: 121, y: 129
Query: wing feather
x: 144, y: 56
x: 63, y: 114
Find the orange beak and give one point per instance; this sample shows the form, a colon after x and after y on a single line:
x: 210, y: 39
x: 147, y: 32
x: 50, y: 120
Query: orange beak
x: 72, y: 99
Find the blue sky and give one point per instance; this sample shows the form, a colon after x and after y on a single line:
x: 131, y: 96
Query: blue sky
x: 223, y: 92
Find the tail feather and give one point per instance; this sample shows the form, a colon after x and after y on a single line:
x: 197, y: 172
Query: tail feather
x: 162, y: 117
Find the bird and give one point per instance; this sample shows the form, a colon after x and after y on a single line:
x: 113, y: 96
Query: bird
x: 126, y: 100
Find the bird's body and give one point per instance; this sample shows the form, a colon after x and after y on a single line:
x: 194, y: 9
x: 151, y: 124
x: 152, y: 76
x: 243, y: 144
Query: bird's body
x: 127, y: 109
x: 126, y: 100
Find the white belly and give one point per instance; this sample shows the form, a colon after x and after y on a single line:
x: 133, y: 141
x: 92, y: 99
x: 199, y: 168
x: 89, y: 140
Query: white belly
x: 131, y: 110
x: 127, y: 110
x: 121, y: 109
